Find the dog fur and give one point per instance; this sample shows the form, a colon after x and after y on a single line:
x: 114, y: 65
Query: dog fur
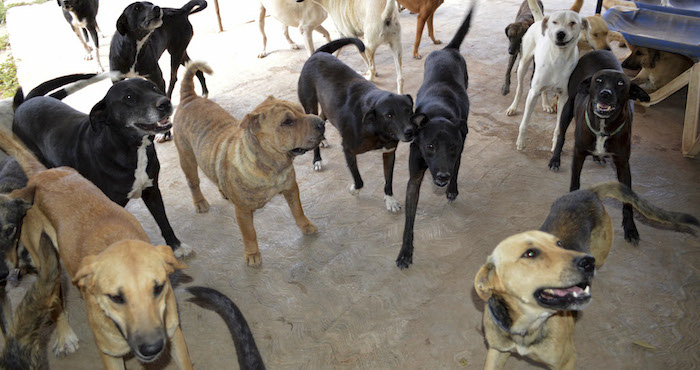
x: 308, y: 16
x: 250, y: 161
x: 81, y: 15
x: 515, y: 32
x: 657, y: 67
x: 532, y: 287
x: 425, y: 10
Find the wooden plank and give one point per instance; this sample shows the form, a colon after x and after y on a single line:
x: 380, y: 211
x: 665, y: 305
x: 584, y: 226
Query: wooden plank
x: 218, y: 15
x: 691, y: 141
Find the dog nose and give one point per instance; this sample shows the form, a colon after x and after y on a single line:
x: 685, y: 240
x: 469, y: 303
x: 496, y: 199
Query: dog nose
x: 409, y: 133
x: 608, y: 48
x: 151, y: 349
x: 443, y: 176
x: 586, y: 264
x: 156, y: 9
x: 605, y: 93
x: 560, y: 35
x: 163, y: 104
x: 321, y: 126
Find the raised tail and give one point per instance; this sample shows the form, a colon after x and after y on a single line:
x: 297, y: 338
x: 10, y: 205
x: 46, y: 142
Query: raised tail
x: 187, y: 84
x: 200, y: 4
x: 577, y: 6
x: 461, y: 32
x: 75, y: 82
x: 334, y: 45
x: 14, y: 147
x: 535, y: 9
x: 624, y: 194
x: 388, y: 12
x: 246, y: 350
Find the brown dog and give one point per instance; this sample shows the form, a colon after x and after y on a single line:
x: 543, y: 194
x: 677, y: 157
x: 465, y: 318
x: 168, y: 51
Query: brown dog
x: 425, y: 10
x: 657, y: 67
x: 250, y: 161
x: 515, y: 32
x: 122, y: 277
x: 531, y: 286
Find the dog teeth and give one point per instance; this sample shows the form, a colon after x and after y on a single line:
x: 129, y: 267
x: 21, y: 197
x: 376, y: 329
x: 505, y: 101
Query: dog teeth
x: 574, y: 294
x: 587, y: 290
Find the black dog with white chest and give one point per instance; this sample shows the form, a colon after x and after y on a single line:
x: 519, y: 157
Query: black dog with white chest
x: 81, y: 15
x: 367, y: 117
x: 600, y: 98
x: 112, y: 146
x: 442, y: 108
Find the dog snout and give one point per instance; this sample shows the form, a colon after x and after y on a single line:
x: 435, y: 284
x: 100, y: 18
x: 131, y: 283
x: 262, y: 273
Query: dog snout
x: 443, y: 177
x: 608, y: 48
x: 605, y: 93
x: 409, y: 133
x: 151, y: 349
x: 163, y: 105
x: 586, y: 264
x: 321, y: 126
x: 561, y: 35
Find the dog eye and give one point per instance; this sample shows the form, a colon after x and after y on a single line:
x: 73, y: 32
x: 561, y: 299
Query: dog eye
x: 287, y: 122
x: 571, y: 24
x: 158, y: 289
x: 531, y: 253
x: 430, y: 147
x: 620, y: 83
x: 554, y: 22
x: 599, y: 80
x: 129, y: 97
x: 118, y: 299
x: 389, y: 116
x: 559, y: 244
x: 137, y: 7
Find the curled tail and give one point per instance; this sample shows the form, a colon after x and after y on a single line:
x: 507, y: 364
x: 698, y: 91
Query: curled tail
x: 76, y: 81
x: 461, y: 32
x: 535, y: 10
x: 187, y: 84
x: 624, y: 194
x: 200, y: 4
x: 14, y: 147
x: 334, y: 45
x: 577, y: 6
x: 246, y: 350
x: 388, y: 12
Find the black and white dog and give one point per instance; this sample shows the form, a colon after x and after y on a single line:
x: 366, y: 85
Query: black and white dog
x: 442, y: 108
x: 82, y: 17
x: 367, y: 117
x: 112, y: 146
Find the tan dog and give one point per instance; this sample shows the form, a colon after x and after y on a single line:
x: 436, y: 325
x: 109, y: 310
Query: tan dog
x: 250, y: 161
x: 308, y: 16
x: 531, y: 286
x: 122, y: 277
x: 657, y: 67
x: 425, y: 10
x: 596, y: 36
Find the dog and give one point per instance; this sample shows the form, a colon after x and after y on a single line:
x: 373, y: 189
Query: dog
x: 82, y: 16
x: 657, y: 67
x: 442, y: 108
x: 596, y: 36
x: 600, y: 97
x: 532, y: 287
x: 375, y: 21
x: 368, y: 118
x: 552, y: 43
x: 112, y: 146
x: 581, y: 222
x: 250, y: 161
x: 425, y: 10
x: 515, y: 32
x: 246, y: 350
x: 123, y: 279
x: 307, y: 16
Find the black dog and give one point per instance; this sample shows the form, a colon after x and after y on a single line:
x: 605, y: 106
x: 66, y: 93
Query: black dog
x: 515, y: 32
x: 442, y: 108
x: 368, y: 118
x: 82, y: 16
x: 112, y: 147
x: 599, y: 98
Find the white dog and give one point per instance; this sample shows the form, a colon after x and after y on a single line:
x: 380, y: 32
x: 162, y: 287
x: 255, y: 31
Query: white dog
x: 376, y: 22
x: 307, y: 16
x: 552, y: 41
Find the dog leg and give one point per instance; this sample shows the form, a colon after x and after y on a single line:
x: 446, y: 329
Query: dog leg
x: 420, y: 23
x: 66, y: 340
x: 318, y: 163
x: 495, y: 359
x: 323, y: 32
x: 87, y: 47
x: 452, y: 190
x: 178, y: 351
x: 547, y: 106
x: 292, y: 45
x: 371, y: 71
x: 576, y: 166
x: 391, y: 204
x: 261, y: 25
x: 557, y: 126
x: 522, y: 67
x: 154, y: 202
x: 529, y: 107
x: 308, y: 40
x: 417, y: 167
x: 292, y: 197
x: 351, y: 160
x: 250, y: 239
x: 624, y: 176
x: 97, y: 27
x: 111, y: 362
x: 398, y: 64
x: 188, y: 163
x: 567, y: 114
x: 430, y: 29
x: 96, y: 42
x: 506, y: 86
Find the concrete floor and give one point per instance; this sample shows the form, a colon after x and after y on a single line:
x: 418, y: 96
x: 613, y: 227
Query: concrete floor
x: 336, y: 299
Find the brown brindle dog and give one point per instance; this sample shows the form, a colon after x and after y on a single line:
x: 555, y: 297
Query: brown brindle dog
x: 122, y: 277
x: 425, y: 10
x: 249, y: 161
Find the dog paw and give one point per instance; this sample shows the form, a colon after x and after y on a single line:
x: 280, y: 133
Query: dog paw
x: 404, y: 260
x: 549, y: 108
x: 392, y: 205
x: 309, y: 228
x: 632, y: 235
x: 183, y: 250
x: 437, y: 42
x: 318, y: 166
x: 451, y: 196
x: 416, y: 56
x: 324, y: 144
x: 520, y: 143
x: 554, y: 164
x: 294, y: 46
x: 262, y: 55
x: 505, y: 90
x: 253, y: 259
x: 354, y: 191
x: 201, y: 206
x: 66, y: 343
x: 161, y: 138
x: 510, y: 111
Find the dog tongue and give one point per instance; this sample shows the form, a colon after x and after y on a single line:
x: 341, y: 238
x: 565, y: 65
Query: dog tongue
x: 564, y: 292
x: 163, y: 121
x: 603, y: 106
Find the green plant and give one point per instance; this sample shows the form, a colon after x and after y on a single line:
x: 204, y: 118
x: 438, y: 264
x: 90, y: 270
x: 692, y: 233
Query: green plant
x: 8, y: 77
x: 4, y: 8
x: 4, y: 42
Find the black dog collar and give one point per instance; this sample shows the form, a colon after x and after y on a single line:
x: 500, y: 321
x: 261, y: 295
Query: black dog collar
x: 499, y: 312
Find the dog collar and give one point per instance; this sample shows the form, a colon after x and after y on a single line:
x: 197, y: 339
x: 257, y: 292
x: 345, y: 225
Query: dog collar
x: 499, y: 313
x: 600, y: 133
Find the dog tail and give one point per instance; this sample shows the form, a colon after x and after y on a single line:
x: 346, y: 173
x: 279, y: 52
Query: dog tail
x: 14, y: 147
x: 577, y: 6
x: 187, y: 84
x: 535, y: 10
x: 461, y: 32
x: 23, y: 345
x: 75, y: 82
x: 200, y: 4
x: 246, y: 350
x: 334, y: 45
x: 624, y: 194
x: 388, y: 12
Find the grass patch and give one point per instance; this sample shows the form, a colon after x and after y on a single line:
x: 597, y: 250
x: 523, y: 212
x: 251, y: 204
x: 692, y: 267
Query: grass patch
x: 4, y: 42
x: 4, y: 8
x: 8, y: 78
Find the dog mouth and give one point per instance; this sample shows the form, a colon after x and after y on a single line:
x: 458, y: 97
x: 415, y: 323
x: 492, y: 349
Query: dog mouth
x: 563, y: 43
x: 575, y: 297
x: 298, y: 151
x: 603, y: 110
x: 146, y: 359
x: 162, y: 125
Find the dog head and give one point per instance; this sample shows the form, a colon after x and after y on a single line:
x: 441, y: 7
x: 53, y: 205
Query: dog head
x: 440, y: 142
x: 128, y: 281
x: 282, y: 126
x: 597, y: 33
x: 515, y: 33
x: 12, y: 211
x: 135, y: 107
x: 641, y: 58
x: 139, y: 19
x: 531, y: 273
x: 564, y: 27
x: 609, y: 91
x: 390, y: 117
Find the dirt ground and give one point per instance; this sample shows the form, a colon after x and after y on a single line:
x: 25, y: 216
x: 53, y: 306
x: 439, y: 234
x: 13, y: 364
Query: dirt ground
x: 337, y: 299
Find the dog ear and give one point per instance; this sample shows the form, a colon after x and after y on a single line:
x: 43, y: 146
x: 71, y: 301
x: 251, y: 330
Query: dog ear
x: 410, y: 99
x: 22, y: 205
x: 97, y: 115
x: 654, y: 56
x: 252, y: 122
x: 484, y: 282
x: 462, y: 125
x: 370, y: 117
x: 584, y: 86
x: 507, y: 28
x: 637, y: 93
x: 419, y: 119
x: 545, y: 20
x: 171, y: 263
x: 122, y: 25
x: 584, y: 24
x: 84, y: 277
